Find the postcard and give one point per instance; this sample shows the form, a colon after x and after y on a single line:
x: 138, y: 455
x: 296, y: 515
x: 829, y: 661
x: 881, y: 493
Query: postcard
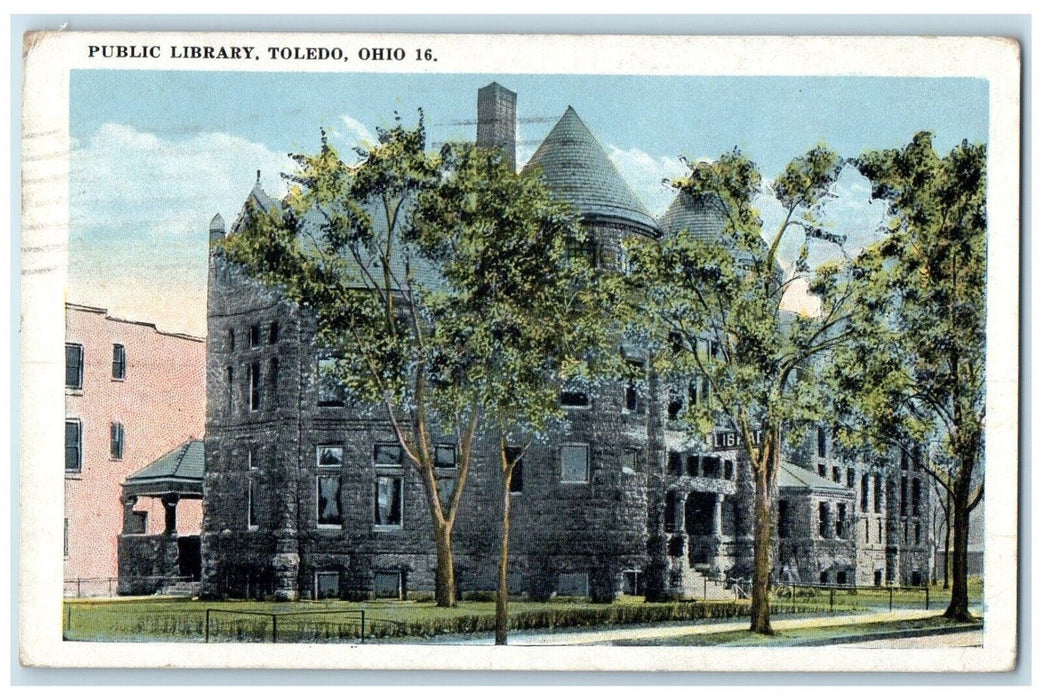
x: 626, y: 353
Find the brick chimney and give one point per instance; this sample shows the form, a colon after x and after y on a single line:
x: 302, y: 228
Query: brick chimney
x: 497, y: 121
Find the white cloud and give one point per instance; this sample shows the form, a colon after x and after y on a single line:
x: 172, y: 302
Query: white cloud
x: 140, y: 208
x: 645, y: 173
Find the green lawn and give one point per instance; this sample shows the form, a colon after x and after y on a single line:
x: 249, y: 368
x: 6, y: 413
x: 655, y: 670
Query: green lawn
x: 173, y: 620
x: 185, y: 621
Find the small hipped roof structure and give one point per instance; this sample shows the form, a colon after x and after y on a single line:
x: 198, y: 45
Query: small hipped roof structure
x: 179, y: 471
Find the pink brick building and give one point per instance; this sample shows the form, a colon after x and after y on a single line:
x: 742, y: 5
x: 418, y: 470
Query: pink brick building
x: 132, y: 394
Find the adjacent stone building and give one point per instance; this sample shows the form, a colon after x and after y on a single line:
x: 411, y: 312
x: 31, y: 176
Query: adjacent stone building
x: 132, y: 393
x: 307, y: 494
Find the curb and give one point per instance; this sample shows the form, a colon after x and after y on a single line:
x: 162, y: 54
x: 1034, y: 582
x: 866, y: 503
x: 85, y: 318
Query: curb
x: 890, y: 634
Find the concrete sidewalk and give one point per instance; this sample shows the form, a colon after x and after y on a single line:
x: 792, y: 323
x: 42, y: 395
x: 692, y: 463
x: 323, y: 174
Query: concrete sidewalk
x: 632, y: 633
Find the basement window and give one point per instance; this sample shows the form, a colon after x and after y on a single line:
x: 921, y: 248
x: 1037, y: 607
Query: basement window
x: 388, y: 584
x: 327, y: 584
x: 573, y: 584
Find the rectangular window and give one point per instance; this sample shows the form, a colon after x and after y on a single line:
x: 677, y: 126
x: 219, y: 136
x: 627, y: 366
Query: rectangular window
x: 823, y: 519
x: 116, y: 441
x: 630, y: 461
x: 517, y: 476
x: 904, y: 460
x: 387, y: 501
x: 387, y: 454
x: 692, y: 465
x: 841, y: 518
x: 675, y: 463
x: 65, y: 545
x: 728, y: 470
x: 328, y: 487
x: 879, y: 531
x: 329, y: 457
x: 841, y: 578
x: 877, y: 493
x: 231, y: 339
x: 633, y: 400
x: 273, y: 381
x: 251, y: 458
x: 866, y: 531
x: 327, y: 584
x: 331, y: 390
x: 230, y: 379
x: 119, y: 362
x: 836, y: 476
x: 821, y: 442
x: 251, y: 506
x: 255, y: 336
x: 918, y: 532
x: 675, y: 405
x: 821, y: 471
x: 864, y: 493
x: 783, y: 518
x: 904, y: 495
x: 73, y: 366
x: 73, y: 446
x: 574, y: 584
x: 255, y: 380
x: 917, y: 458
x: 850, y: 478
x: 711, y: 467
x: 445, y: 456
x: 575, y: 399
x: 575, y: 464
x: 387, y: 584
x: 273, y: 333
x: 916, y: 496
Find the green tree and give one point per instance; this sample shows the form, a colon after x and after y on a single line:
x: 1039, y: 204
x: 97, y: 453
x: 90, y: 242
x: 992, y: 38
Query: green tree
x: 916, y: 373
x: 714, y: 313
x: 517, y: 315
x: 442, y: 283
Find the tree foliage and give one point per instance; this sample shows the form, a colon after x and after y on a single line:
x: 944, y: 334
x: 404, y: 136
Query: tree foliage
x: 443, y: 284
x: 917, y: 371
x: 713, y: 311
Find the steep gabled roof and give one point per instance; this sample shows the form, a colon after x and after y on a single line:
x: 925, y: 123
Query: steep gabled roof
x: 257, y: 199
x: 576, y: 168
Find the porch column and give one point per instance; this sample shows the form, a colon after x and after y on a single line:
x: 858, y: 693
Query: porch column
x: 128, y: 514
x: 718, y: 516
x: 170, y: 505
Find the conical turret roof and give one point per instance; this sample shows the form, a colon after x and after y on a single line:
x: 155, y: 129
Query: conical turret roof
x: 694, y: 215
x: 576, y: 168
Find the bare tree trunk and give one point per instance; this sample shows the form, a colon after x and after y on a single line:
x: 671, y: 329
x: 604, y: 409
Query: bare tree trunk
x: 502, y: 590
x: 947, y: 537
x: 444, y: 573
x: 764, y: 470
x: 959, y: 608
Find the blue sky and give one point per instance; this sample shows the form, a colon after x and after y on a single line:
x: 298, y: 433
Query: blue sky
x: 157, y: 153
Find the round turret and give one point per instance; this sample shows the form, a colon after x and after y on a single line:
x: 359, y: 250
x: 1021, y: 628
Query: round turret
x: 216, y: 227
